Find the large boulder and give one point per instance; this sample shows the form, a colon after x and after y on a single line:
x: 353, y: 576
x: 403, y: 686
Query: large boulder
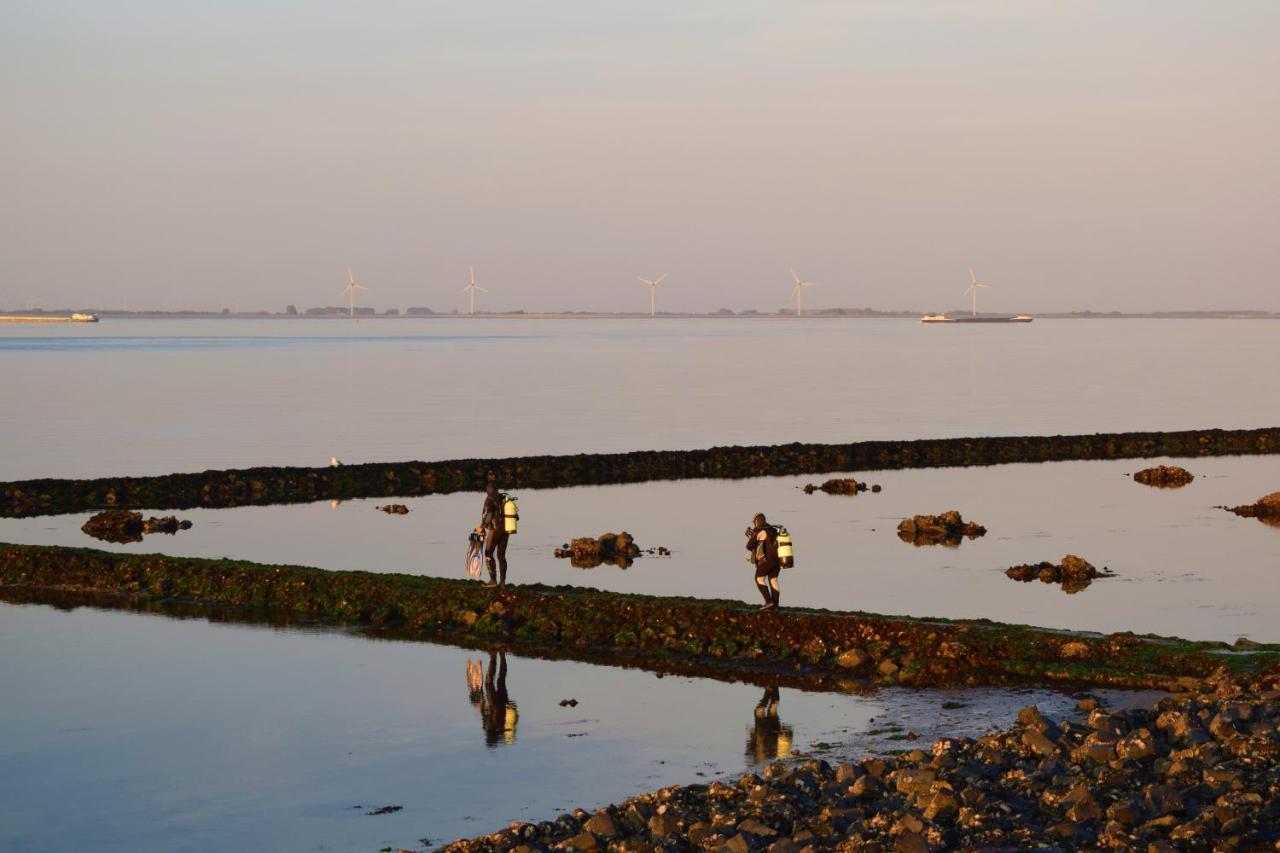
x: 946, y: 529
x: 1164, y: 477
x: 839, y: 486
x: 1266, y: 509
x: 123, y: 526
x: 1073, y: 573
x: 616, y: 549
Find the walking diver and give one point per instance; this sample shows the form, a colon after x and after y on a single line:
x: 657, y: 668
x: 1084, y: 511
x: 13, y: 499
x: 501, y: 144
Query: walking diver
x: 762, y: 551
x: 496, y: 536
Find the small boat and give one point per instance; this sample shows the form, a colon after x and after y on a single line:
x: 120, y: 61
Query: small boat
x: 84, y: 318
x: 943, y: 318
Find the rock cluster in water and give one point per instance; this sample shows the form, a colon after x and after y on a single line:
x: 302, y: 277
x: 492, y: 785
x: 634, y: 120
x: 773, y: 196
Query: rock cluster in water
x: 122, y: 526
x: 1164, y: 477
x: 615, y: 549
x: 1200, y: 771
x: 946, y: 529
x: 1265, y: 509
x: 1073, y: 573
x: 840, y: 486
x: 395, y: 509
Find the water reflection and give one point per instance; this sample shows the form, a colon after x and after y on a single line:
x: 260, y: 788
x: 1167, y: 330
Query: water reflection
x: 488, y: 695
x: 769, y: 738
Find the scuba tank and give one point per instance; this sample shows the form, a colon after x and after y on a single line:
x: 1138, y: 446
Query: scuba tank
x: 510, y: 515
x: 786, y: 556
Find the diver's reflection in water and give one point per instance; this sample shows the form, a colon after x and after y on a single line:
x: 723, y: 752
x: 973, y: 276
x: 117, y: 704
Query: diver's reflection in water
x: 769, y: 739
x: 488, y: 693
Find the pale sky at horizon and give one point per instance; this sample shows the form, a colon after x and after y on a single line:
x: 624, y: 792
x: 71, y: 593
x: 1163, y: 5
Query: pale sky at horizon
x: 1112, y: 156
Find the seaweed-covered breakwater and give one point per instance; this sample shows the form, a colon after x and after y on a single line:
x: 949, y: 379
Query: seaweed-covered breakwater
x: 270, y: 485
x: 727, y: 636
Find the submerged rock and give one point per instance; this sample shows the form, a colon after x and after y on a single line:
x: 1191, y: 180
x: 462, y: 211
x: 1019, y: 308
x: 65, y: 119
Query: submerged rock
x: 1266, y: 509
x: 946, y: 529
x: 1164, y: 477
x: 616, y: 549
x: 123, y: 526
x: 395, y: 509
x: 1073, y: 573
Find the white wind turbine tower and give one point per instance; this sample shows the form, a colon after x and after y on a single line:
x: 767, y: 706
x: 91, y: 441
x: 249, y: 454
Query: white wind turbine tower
x: 972, y: 290
x: 472, y: 288
x: 798, y: 292
x: 350, y: 292
x: 653, y: 292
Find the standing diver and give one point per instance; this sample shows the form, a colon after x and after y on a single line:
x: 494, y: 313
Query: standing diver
x: 496, y: 536
x: 762, y: 548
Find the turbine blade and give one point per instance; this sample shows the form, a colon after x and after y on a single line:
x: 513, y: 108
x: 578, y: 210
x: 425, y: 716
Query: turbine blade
x: 481, y: 289
x: 659, y: 279
x: 465, y: 289
x: 972, y: 276
x: 350, y: 277
x: 796, y: 277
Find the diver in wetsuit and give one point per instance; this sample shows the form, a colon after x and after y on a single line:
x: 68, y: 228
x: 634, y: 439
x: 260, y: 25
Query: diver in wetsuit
x: 762, y: 545
x: 770, y: 738
x: 497, y: 711
x: 496, y: 536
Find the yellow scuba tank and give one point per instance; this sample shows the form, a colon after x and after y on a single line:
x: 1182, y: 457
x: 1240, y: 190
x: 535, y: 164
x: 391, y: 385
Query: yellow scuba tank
x: 510, y: 515
x: 786, y: 556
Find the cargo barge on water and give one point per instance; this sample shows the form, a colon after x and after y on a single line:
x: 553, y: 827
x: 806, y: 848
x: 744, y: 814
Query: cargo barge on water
x: 46, y: 318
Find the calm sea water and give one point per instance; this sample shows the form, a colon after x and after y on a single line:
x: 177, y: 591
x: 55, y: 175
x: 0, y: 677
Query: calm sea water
x: 124, y: 732
x: 1183, y: 567
x: 132, y: 733
x: 154, y: 396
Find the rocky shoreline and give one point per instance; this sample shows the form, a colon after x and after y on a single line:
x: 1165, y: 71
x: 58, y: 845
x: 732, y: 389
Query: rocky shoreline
x: 271, y: 485
x: 729, y: 637
x: 1200, y: 771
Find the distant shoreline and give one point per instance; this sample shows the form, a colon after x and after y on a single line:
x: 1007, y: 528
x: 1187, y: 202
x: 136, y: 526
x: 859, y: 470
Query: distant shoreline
x: 830, y: 314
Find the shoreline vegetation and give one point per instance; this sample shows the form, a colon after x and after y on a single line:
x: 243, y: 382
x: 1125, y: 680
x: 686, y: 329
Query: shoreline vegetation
x: 813, y: 649
x: 281, y: 485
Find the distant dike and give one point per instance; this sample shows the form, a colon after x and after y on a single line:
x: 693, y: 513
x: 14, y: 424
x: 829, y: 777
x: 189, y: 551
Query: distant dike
x: 280, y: 485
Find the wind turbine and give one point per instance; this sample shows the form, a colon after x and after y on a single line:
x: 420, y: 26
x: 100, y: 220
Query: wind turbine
x: 972, y: 290
x: 798, y: 292
x: 350, y: 291
x: 653, y: 292
x: 472, y: 288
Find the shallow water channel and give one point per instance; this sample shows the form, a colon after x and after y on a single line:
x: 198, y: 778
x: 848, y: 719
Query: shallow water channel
x: 135, y: 732
x: 1182, y: 567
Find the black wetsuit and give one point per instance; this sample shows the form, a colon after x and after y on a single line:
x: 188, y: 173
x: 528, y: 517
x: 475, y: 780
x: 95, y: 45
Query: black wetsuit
x: 495, y: 539
x: 767, y: 564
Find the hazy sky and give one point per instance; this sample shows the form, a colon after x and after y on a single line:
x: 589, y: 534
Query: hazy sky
x: 1111, y: 155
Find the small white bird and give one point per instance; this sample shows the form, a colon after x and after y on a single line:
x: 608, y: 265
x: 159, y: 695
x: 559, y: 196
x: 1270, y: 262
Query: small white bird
x: 334, y: 463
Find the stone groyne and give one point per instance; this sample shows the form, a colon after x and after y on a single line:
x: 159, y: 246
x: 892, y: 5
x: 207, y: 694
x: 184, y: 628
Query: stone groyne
x: 272, y: 485
x: 728, y: 637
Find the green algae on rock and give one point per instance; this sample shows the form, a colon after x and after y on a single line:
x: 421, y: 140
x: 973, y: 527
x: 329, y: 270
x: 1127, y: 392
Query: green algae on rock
x: 268, y: 485
x: 726, y: 636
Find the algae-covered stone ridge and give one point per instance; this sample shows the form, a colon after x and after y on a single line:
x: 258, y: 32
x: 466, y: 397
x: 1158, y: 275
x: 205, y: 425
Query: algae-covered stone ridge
x: 254, y: 486
x: 820, y: 648
x: 1199, y: 771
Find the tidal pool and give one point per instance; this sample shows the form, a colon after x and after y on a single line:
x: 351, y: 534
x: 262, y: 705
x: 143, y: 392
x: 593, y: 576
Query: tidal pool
x: 1182, y: 567
x: 123, y: 731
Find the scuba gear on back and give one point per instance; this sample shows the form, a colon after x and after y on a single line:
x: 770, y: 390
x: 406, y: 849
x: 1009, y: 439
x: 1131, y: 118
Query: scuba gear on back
x: 786, y: 556
x: 510, y: 514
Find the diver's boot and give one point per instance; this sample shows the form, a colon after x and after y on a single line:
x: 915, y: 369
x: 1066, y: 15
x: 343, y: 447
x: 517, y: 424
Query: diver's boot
x: 764, y: 593
x: 493, y: 571
x: 777, y: 596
